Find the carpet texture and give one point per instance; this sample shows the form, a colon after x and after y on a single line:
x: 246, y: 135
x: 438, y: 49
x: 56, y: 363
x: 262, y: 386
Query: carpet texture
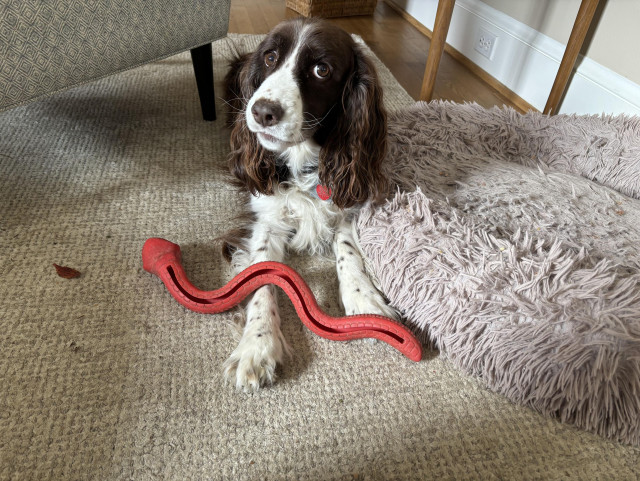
x: 517, y: 271
x: 106, y: 377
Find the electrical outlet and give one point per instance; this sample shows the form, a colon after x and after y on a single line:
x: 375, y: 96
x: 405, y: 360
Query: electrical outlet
x: 486, y: 43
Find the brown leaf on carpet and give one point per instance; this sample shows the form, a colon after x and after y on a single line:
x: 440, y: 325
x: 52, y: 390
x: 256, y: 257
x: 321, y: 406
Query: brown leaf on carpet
x: 66, y: 272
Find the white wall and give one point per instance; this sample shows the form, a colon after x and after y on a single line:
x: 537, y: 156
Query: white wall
x: 615, y: 41
x: 526, y: 59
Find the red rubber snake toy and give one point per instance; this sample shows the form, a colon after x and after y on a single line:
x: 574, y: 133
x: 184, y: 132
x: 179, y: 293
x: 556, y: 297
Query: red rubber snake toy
x: 163, y: 259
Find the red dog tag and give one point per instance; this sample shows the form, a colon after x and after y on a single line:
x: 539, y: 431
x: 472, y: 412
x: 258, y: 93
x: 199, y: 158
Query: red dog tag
x: 323, y: 192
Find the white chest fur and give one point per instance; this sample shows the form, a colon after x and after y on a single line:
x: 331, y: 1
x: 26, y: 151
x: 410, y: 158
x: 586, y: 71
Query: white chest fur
x: 295, y: 210
x: 308, y: 221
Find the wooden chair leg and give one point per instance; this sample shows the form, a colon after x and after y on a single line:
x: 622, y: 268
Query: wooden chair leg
x: 202, y: 60
x: 576, y: 39
x: 438, y: 39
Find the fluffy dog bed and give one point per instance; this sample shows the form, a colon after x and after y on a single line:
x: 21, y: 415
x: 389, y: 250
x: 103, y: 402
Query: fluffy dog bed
x: 513, y: 246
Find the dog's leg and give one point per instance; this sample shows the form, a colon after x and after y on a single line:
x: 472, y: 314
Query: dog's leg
x: 252, y: 364
x: 357, y: 292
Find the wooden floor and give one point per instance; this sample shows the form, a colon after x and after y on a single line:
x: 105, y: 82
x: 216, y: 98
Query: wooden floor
x: 400, y: 46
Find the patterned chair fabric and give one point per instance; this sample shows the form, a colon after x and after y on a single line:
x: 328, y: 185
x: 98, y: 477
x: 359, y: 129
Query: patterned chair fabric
x: 50, y: 45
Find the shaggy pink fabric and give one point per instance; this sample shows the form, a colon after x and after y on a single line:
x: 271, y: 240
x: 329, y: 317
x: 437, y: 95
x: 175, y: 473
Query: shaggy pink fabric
x: 504, y: 256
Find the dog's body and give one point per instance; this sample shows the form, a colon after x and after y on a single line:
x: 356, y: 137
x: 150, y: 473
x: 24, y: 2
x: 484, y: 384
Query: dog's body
x: 307, y: 124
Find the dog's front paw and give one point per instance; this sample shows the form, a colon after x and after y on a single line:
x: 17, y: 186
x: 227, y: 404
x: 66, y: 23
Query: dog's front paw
x: 252, y: 364
x: 366, y: 300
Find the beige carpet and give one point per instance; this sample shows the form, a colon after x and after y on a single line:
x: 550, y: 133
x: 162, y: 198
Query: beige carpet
x: 106, y: 377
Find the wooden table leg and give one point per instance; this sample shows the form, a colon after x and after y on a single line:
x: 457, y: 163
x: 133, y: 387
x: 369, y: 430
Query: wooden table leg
x: 440, y: 30
x: 576, y: 39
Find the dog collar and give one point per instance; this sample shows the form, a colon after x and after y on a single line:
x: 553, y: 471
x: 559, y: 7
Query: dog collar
x: 323, y: 192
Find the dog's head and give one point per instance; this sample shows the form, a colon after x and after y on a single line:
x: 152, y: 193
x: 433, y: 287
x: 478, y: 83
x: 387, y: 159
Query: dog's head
x: 308, y: 81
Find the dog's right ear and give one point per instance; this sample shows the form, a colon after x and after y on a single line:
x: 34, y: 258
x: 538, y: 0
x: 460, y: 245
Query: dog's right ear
x: 253, y: 167
x: 235, y: 83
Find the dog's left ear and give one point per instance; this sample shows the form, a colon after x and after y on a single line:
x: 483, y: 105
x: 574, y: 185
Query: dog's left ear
x: 351, y: 157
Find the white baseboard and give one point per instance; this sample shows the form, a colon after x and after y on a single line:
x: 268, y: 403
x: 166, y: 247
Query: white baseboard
x: 526, y: 61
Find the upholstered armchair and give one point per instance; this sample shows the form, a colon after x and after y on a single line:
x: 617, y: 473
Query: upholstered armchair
x: 50, y: 45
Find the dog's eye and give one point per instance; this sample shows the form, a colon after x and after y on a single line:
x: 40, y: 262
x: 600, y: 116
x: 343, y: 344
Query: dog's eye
x: 271, y: 58
x: 321, y: 70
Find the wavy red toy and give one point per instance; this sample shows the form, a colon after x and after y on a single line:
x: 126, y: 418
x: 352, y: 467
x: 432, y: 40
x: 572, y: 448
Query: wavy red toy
x: 162, y: 258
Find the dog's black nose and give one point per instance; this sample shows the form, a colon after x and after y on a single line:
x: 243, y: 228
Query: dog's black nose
x: 267, y: 112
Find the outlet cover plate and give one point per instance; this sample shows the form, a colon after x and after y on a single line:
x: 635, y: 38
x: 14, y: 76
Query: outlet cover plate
x: 485, y: 43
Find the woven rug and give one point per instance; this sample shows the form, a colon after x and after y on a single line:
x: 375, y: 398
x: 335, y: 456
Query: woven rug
x: 106, y: 377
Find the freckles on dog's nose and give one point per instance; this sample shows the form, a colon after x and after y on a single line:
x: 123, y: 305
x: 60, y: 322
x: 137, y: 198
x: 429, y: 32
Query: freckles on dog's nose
x: 267, y: 112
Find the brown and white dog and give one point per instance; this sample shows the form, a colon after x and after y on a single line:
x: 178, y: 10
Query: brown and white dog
x: 308, y: 140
